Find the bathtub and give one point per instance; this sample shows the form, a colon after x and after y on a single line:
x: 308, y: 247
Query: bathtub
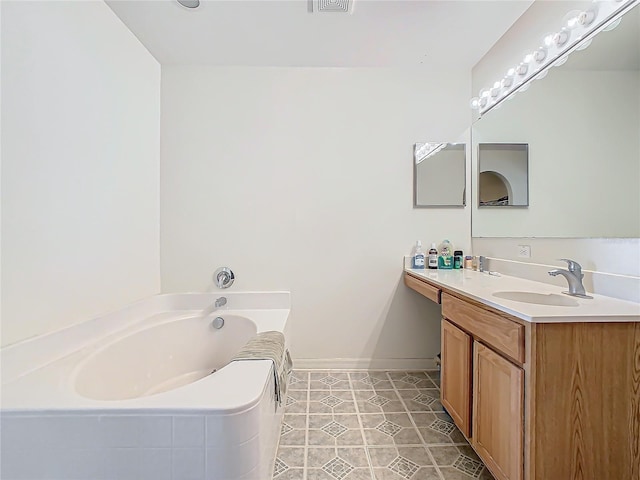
x: 146, y: 392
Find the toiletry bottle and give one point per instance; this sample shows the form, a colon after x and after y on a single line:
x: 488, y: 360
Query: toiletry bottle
x: 457, y: 259
x: 468, y: 262
x: 433, y: 257
x: 445, y: 260
x: 417, y: 259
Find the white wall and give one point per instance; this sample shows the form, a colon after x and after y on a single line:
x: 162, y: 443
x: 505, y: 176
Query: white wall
x: 301, y: 179
x: 80, y: 161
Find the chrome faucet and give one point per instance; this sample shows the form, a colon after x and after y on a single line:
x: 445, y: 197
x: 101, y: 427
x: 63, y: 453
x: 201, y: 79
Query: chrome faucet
x: 574, y: 277
x: 482, y: 263
x: 220, y: 302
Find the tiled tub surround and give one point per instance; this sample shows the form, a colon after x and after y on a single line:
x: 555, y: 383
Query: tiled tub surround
x: 373, y: 425
x: 222, y: 427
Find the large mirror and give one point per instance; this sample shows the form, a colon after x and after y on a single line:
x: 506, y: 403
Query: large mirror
x: 439, y: 174
x: 582, y: 125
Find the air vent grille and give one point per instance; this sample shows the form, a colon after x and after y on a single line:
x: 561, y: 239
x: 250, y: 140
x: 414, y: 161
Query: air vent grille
x: 332, y: 5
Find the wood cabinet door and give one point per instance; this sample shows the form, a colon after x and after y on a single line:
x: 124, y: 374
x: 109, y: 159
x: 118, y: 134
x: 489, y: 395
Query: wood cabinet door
x: 498, y: 417
x: 456, y: 375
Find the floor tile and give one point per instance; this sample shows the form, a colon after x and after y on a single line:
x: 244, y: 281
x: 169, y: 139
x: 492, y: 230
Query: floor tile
x: 317, y: 457
x: 450, y: 473
x: 294, y: 437
x: 291, y: 474
x: 354, y: 474
x: 292, y: 457
x: 355, y: 456
x: 295, y: 420
x: 365, y: 425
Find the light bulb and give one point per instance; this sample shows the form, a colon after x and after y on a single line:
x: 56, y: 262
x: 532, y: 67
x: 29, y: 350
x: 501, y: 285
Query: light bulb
x: 483, y: 102
x: 511, y: 72
x: 189, y: 3
x: 542, y: 74
x: 540, y: 54
x: 570, y: 20
x: 612, y: 25
x: 495, y: 91
x: 548, y: 40
x: 507, y: 81
x: 561, y: 38
x: 587, y: 17
x: 584, y: 44
x: 474, y: 103
x: 561, y: 61
x: 522, y: 69
x: 528, y: 57
x: 484, y: 93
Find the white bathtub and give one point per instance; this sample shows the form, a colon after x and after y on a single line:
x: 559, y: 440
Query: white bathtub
x: 130, y: 395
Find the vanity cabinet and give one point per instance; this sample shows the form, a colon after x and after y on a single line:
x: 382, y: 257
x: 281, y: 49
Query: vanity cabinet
x: 554, y: 400
x: 482, y: 385
x: 456, y: 376
x: 498, y: 416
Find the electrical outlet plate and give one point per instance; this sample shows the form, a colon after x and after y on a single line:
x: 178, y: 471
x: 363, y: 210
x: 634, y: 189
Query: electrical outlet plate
x: 524, y: 251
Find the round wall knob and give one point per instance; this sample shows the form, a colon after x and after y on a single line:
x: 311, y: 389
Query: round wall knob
x: 223, y: 277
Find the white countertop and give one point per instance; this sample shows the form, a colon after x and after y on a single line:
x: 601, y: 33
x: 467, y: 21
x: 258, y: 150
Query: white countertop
x: 481, y: 286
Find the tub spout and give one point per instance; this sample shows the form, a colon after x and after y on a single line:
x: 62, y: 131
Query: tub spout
x: 220, y: 302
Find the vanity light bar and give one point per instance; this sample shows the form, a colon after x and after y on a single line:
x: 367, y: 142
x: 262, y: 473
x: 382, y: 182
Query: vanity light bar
x: 576, y: 33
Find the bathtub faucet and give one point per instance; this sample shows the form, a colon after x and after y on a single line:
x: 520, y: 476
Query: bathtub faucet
x: 220, y: 302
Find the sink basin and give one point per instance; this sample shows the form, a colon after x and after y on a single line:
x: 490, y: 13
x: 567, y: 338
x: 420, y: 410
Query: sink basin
x: 538, y: 298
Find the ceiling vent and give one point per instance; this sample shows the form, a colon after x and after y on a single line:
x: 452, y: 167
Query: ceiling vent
x: 343, y: 6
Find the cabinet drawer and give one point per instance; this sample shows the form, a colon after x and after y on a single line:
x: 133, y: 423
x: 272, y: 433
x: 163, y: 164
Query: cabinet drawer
x: 504, y: 335
x: 429, y: 291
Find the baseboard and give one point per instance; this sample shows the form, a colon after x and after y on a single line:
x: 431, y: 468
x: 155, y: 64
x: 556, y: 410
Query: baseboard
x: 364, y: 364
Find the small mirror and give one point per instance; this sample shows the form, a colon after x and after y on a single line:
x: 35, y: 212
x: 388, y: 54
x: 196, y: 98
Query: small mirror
x: 503, y: 178
x: 439, y: 174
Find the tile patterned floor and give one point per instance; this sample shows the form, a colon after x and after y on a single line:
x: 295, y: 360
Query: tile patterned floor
x: 375, y: 425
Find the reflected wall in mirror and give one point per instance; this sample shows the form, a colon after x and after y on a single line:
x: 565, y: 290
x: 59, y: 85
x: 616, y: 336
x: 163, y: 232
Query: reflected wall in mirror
x: 582, y: 123
x: 503, y: 174
x: 439, y: 174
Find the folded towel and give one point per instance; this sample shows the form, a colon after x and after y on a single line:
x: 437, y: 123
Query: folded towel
x: 269, y: 346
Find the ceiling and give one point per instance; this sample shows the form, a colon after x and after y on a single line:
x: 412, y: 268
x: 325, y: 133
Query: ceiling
x: 283, y: 33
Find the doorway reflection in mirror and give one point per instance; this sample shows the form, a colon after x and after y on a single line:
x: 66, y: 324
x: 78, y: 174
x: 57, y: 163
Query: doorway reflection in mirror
x: 504, y: 178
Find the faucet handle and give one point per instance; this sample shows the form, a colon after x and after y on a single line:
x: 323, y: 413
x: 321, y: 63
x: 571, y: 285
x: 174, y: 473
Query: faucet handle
x: 223, y: 277
x: 572, y: 265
